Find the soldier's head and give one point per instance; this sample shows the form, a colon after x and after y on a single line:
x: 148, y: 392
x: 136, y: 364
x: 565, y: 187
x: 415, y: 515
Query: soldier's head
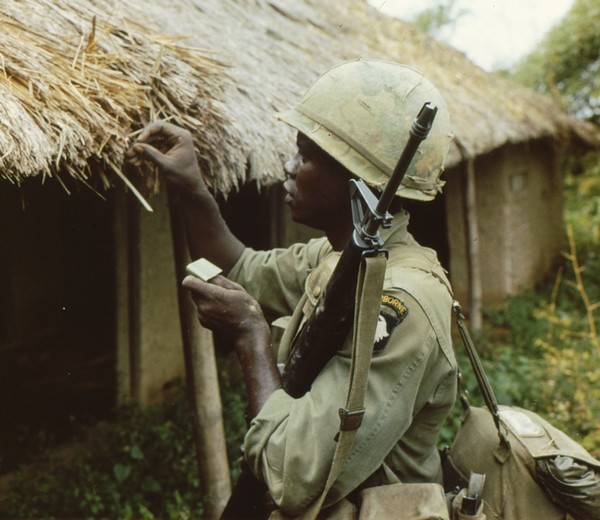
x: 360, y: 112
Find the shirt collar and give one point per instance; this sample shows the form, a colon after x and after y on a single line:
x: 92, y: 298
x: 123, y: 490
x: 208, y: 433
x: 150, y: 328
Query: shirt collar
x: 397, y: 233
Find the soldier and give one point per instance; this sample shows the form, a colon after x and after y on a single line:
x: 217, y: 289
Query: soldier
x: 351, y: 124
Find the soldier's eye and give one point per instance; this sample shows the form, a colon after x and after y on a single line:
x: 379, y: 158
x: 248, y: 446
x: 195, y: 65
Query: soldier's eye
x: 302, y: 158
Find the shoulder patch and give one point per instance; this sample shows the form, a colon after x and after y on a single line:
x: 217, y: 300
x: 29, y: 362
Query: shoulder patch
x: 392, y: 313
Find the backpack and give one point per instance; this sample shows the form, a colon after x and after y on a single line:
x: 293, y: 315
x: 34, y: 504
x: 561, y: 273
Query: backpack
x: 532, y: 469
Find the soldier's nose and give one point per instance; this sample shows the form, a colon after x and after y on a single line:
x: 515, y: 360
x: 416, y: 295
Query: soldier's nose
x: 289, y: 167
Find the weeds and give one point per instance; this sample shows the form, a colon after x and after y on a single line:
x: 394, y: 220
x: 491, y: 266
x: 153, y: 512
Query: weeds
x: 571, y: 349
x: 541, y: 349
x: 142, y: 465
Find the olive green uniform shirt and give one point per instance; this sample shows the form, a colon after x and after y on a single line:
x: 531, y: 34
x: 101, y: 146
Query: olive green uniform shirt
x: 412, y: 382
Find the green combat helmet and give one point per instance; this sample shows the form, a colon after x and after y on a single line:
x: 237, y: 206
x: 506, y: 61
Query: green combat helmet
x: 360, y: 113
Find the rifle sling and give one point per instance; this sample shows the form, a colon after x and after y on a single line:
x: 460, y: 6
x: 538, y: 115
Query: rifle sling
x: 368, y: 301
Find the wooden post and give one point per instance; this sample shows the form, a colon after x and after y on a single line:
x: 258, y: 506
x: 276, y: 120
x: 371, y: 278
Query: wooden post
x: 475, y: 310
x: 202, y: 385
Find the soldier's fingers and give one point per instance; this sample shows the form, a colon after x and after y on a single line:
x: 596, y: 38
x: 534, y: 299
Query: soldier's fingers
x: 204, y: 291
x: 134, y: 155
x: 143, y: 151
x: 153, y: 131
x: 194, y: 284
x: 160, y: 132
x: 226, y: 283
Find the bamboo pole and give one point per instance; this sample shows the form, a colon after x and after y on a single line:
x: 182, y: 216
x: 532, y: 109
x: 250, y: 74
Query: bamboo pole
x: 202, y: 386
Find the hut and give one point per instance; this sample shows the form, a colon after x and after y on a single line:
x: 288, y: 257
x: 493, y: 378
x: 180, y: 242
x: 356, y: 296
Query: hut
x: 87, y: 277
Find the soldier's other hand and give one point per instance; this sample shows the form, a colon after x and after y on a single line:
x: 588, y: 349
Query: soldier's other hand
x: 171, y: 149
x: 224, y: 306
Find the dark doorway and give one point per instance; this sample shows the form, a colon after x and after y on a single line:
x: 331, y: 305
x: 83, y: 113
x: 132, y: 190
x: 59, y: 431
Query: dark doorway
x: 57, y: 320
x: 247, y: 214
x: 428, y: 225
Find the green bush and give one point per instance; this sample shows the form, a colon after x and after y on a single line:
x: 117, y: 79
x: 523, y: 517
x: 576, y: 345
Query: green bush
x: 539, y: 353
x: 142, y: 465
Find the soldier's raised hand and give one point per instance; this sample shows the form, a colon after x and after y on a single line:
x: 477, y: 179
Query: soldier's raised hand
x: 171, y: 149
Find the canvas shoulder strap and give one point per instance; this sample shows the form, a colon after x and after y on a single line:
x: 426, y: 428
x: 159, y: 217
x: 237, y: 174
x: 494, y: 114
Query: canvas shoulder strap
x: 482, y: 380
x: 368, y: 297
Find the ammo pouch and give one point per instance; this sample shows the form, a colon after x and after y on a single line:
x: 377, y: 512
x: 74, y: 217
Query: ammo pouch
x: 532, y: 469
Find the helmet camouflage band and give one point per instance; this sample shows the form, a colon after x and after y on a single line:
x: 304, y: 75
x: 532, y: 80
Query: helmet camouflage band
x: 360, y: 113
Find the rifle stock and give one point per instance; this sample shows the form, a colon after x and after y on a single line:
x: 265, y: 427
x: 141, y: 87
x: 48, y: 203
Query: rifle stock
x: 327, y: 327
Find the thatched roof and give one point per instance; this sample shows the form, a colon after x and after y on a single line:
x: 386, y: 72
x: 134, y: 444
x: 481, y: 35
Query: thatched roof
x: 77, y: 78
x: 74, y: 83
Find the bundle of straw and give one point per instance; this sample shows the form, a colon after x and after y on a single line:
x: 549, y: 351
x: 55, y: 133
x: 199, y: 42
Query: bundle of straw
x: 75, y: 83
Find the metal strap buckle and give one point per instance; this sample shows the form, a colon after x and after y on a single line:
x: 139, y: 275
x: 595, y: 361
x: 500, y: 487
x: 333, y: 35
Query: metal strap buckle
x: 351, y: 419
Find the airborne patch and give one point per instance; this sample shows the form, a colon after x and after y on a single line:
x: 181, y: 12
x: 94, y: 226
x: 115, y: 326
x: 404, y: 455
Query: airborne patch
x: 392, y: 313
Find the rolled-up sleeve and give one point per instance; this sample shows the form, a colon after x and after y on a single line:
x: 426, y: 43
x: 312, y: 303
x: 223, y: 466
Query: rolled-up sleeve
x: 276, y: 278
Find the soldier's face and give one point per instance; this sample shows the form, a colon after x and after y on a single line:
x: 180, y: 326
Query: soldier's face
x: 317, y: 191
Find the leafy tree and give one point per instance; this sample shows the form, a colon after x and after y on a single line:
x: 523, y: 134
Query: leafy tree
x: 440, y: 15
x: 567, y: 65
x: 567, y: 62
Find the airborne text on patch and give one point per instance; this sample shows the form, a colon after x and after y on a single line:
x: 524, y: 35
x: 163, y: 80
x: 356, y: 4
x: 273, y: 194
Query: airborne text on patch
x: 392, y: 313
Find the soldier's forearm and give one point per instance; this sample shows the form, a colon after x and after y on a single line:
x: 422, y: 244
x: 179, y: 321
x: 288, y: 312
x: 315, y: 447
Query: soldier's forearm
x: 259, y: 367
x: 207, y: 232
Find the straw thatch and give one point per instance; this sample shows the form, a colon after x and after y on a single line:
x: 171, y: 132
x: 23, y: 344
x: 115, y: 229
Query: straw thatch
x: 79, y: 76
x: 74, y: 83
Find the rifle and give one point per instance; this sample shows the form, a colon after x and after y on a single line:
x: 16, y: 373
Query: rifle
x: 327, y: 327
